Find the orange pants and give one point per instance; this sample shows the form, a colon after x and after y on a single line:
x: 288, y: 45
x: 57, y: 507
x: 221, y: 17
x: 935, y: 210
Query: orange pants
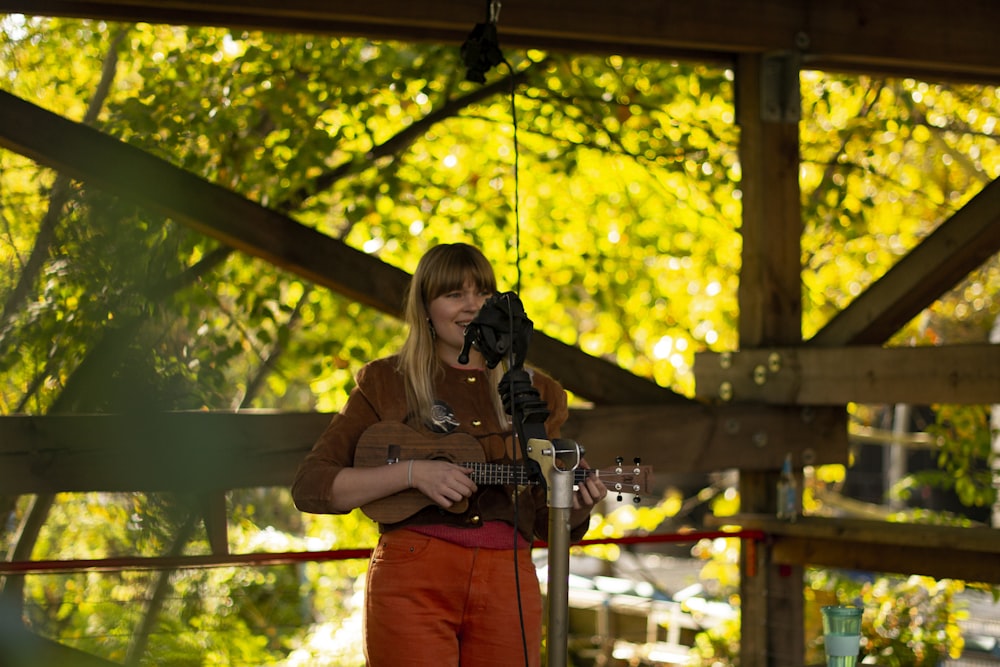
x: 431, y: 603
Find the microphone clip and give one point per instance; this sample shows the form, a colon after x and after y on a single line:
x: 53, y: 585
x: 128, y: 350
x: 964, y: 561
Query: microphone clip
x: 481, y: 50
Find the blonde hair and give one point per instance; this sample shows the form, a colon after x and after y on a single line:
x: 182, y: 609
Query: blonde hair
x: 442, y: 269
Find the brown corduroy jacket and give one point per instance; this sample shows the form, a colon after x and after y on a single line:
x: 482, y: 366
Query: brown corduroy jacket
x: 380, y: 397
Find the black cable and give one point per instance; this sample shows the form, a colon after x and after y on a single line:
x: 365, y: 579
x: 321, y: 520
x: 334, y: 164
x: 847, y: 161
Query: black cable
x: 510, y: 312
x: 480, y: 53
x: 517, y: 488
x: 517, y: 178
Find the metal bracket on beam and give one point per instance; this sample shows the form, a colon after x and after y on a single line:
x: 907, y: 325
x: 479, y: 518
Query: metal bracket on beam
x: 780, y: 95
x: 753, y: 375
x: 968, y: 373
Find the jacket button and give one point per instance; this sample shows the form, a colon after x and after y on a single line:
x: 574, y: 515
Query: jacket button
x: 476, y: 422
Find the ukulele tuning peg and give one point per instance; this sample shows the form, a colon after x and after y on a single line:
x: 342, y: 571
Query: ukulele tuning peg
x: 636, y: 460
x: 392, y: 455
x: 619, y: 497
x: 619, y: 460
x: 635, y: 499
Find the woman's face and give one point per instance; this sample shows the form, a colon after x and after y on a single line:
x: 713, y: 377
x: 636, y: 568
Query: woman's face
x: 450, y: 314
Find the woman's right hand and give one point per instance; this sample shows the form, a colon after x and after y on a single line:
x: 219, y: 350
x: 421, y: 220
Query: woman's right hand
x: 443, y: 482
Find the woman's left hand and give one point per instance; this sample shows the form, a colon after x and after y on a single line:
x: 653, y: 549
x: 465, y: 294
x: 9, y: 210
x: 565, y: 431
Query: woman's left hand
x: 588, y: 493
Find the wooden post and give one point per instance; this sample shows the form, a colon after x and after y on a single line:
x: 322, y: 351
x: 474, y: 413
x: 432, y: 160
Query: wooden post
x: 995, y: 419
x: 770, y: 307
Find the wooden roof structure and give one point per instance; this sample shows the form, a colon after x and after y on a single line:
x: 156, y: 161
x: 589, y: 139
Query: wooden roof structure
x: 778, y: 393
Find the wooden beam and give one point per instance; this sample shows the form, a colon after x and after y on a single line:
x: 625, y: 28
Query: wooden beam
x: 183, y: 451
x: 207, y: 452
x: 770, y: 310
x: 703, y: 438
x: 905, y: 560
x: 918, y: 38
x: 837, y: 376
x: 770, y: 291
x: 597, y: 379
x: 23, y: 648
x: 958, y: 246
x: 955, y: 552
x: 86, y: 154
x: 215, y: 515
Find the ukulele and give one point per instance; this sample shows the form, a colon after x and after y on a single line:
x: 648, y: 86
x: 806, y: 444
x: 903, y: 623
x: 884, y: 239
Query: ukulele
x: 393, y: 442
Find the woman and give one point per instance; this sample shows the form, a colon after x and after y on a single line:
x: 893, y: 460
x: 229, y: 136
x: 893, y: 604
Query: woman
x: 451, y: 584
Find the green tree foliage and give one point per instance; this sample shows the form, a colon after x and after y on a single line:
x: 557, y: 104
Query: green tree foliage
x: 964, y: 434
x: 884, y: 163
x: 606, y: 189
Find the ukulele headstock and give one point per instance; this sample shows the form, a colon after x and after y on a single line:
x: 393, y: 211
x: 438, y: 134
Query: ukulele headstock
x: 622, y: 478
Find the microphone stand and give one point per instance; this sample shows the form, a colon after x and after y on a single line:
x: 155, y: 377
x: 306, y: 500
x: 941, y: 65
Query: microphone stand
x: 562, y: 458
x: 502, y: 329
x: 554, y: 462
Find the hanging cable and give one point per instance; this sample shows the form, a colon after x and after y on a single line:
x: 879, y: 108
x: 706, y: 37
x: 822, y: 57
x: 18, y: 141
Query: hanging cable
x: 517, y: 173
x: 481, y: 52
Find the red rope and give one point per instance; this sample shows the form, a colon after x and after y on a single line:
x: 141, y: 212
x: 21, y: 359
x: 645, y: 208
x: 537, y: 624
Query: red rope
x: 289, y: 557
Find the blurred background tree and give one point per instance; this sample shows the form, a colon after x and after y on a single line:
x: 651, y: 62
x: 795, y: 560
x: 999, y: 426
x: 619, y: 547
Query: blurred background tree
x: 623, y: 217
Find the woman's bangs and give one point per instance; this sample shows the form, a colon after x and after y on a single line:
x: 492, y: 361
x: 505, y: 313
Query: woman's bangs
x: 455, y: 274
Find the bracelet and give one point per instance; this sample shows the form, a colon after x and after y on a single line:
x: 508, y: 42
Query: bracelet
x: 409, y: 475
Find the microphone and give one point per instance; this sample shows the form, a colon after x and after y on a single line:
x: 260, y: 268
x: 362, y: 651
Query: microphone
x: 463, y: 357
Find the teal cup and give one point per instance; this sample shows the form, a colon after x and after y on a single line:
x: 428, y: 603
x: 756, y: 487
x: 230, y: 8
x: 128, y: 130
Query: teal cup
x: 842, y: 635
